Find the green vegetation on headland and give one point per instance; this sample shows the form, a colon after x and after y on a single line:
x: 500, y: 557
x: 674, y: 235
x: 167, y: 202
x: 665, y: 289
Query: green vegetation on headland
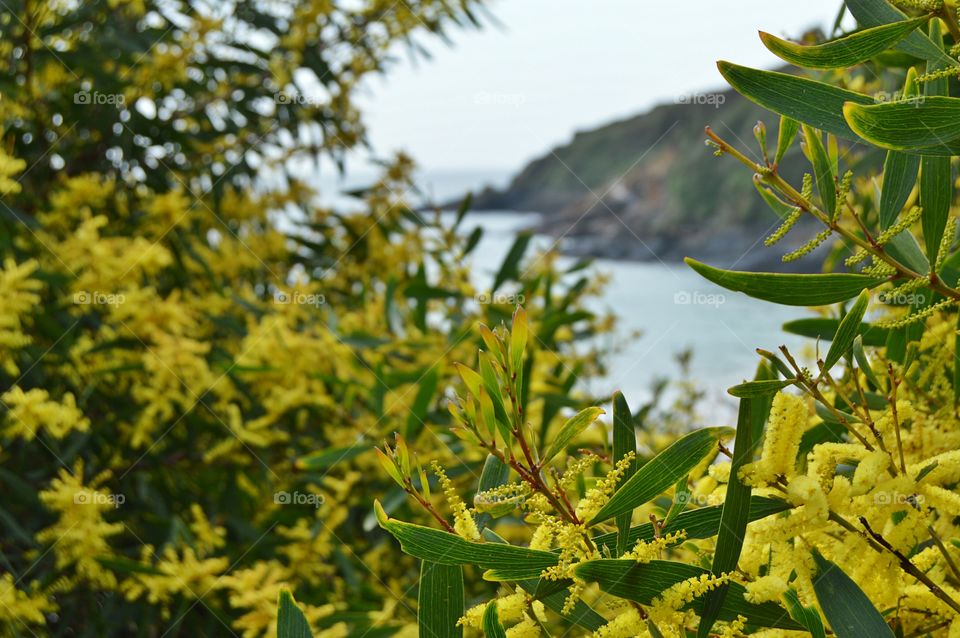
x: 646, y: 188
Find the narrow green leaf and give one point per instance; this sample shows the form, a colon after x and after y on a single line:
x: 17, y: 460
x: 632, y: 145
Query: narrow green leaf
x: 624, y: 441
x: 698, y: 523
x: 823, y: 328
x: 806, y: 616
x: 785, y: 136
x: 899, y: 178
x: 492, y: 385
x: 662, y: 471
x: 518, y: 339
x: 463, y: 209
x: 872, y: 13
x: 936, y: 178
x: 736, y: 508
x: 863, y: 363
x: 494, y: 474
x: 847, y: 331
x: 574, y: 426
x: 471, y: 379
x: 510, y: 268
x: 780, y: 208
x: 936, y: 190
x: 491, y: 622
x: 845, y: 606
x: 822, y: 172
x: 582, y: 614
x: 681, y: 497
x: 956, y: 365
x: 291, y: 623
x: 443, y: 548
x: 842, y: 52
x: 787, y: 288
x: 907, y: 125
x: 815, y: 103
x: 762, y: 388
x: 643, y: 582
x: 440, y: 603
x: 324, y: 459
x: 426, y: 390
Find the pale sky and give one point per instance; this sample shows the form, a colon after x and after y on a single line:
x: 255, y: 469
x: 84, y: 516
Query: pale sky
x: 502, y: 96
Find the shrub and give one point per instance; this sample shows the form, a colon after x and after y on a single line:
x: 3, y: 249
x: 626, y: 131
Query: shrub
x: 837, y: 507
x: 195, y: 365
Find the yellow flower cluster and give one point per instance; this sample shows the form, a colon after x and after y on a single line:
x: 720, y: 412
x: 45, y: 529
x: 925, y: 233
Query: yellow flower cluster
x: 19, y: 293
x: 646, y: 551
x: 787, y: 422
x: 463, y: 520
x: 598, y: 495
x: 28, y: 412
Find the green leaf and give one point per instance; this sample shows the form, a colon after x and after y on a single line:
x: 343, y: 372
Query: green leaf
x: 426, y: 389
x: 914, y: 124
x: 789, y: 289
x: 845, y: 606
x: 624, y: 441
x: 463, y: 209
x: 842, y: 52
x: 785, y: 136
x: 518, y: 339
x: 574, y: 426
x: 822, y: 171
x: 755, y: 389
x: 441, y: 547
x: 582, y: 614
x: 291, y: 623
x: 956, y: 365
x: 806, y: 616
x: 863, y: 363
x: 847, y: 331
x: 699, y: 523
x: 899, y: 178
x: 736, y: 507
x: 323, y: 459
x: 815, y: 103
x: 643, y: 582
x: 492, y: 385
x: 495, y: 473
x: 491, y: 622
x: 936, y: 191
x: 662, y: 471
x: 823, y: 328
x: 440, y: 603
x: 780, y: 208
x: 872, y: 13
x: 510, y: 268
x: 681, y: 496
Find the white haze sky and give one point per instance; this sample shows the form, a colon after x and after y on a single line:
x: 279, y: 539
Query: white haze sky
x: 502, y: 96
